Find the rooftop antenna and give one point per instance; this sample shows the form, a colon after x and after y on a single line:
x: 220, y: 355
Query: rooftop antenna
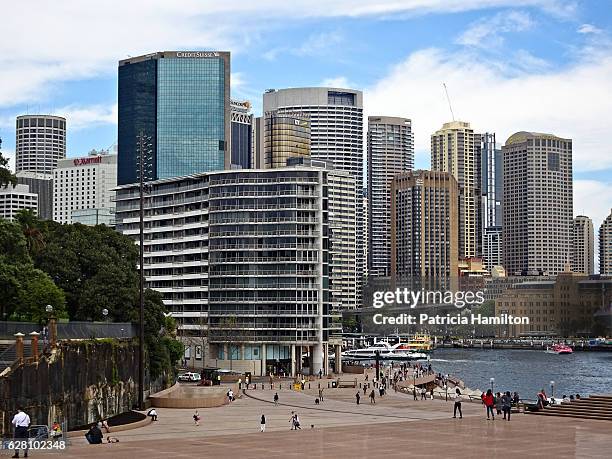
x: 449, y: 102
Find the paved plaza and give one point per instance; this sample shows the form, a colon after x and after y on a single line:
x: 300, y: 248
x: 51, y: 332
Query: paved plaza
x: 395, y: 427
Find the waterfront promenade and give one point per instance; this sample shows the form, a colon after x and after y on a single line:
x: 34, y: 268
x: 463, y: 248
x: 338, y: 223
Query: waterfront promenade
x: 395, y: 427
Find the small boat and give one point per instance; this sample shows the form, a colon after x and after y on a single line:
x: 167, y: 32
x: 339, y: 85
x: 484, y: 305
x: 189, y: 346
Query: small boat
x: 559, y: 349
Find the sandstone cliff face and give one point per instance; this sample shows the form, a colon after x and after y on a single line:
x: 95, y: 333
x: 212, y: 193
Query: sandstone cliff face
x: 79, y: 383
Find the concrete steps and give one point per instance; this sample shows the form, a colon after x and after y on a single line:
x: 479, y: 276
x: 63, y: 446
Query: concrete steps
x: 594, y: 407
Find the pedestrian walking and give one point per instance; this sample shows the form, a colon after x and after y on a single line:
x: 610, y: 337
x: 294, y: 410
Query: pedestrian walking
x: 457, y: 407
x: 292, y: 420
x: 357, y: 397
x: 21, y: 422
x: 196, y: 418
x: 373, y: 397
x: 414, y: 393
x: 276, y: 399
x: 498, y: 403
x: 507, y: 405
x: 262, y: 424
x: 296, y: 421
x: 423, y: 393
x: 489, y: 402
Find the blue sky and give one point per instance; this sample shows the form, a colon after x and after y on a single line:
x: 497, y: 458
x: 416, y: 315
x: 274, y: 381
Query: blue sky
x: 542, y: 65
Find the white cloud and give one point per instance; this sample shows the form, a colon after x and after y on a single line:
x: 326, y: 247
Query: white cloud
x: 487, y: 32
x: 45, y: 43
x: 83, y: 117
x: 568, y: 102
x: 319, y: 43
x: 589, y: 28
x: 337, y: 82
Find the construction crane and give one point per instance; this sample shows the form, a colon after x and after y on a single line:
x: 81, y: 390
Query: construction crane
x: 449, y: 102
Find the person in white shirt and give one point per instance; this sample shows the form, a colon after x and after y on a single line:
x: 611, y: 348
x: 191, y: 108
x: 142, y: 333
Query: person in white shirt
x: 21, y: 422
x: 457, y: 406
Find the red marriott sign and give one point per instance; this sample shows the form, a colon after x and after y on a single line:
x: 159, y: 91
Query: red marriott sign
x: 89, y: 160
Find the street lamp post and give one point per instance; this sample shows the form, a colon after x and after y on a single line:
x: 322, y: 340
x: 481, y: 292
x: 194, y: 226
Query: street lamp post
x: 105, y: 314
x: 144, y: 150
x: 552, y: 389
x: 492, y: 383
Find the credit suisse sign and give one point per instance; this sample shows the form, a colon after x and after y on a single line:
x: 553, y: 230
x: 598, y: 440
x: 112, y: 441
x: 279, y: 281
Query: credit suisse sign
x: 88, y: 160
x: 196, y: 54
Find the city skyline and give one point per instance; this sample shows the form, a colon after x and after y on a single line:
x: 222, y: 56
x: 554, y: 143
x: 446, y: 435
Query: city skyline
x: 534, y: 49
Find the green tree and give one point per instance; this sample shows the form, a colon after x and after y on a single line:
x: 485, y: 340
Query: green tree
x: 13, y: 245
x: 6, y: 176
x: 25, y: 291
x: 95, y: 266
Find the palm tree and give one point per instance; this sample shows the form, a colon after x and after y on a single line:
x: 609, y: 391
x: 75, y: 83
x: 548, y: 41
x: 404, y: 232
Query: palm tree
x: 30, y: 226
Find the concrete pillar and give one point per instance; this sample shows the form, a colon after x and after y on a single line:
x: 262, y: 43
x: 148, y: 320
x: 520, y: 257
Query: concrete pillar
x: 52, y: 331
x: 226, y: 355
x: 316, y: 359
x: 263, y: 360
x: 34, y: 345
x: 325, y: 359
x: 293, y: 362
x: 19, y: 346
x: 338, y: 369
x: 242, y: 352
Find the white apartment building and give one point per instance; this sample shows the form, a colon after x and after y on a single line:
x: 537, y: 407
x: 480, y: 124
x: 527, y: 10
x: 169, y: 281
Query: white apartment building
x: 84, y: 183
x: 14, y: 199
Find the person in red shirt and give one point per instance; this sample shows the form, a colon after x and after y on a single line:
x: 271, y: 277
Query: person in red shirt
x: 489, y: 402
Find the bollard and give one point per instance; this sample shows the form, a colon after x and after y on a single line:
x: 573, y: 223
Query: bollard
x: 281, y: 386
x: 309, y: 385
x: 328, y: 384
x: 319, y: 386
x: 19, y: 346
x: 270, y: 386
x: 34, y: 345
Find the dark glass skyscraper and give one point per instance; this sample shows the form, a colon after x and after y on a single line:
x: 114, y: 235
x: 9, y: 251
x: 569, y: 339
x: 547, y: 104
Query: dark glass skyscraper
x: 242, y: 134
x: 181, y: 100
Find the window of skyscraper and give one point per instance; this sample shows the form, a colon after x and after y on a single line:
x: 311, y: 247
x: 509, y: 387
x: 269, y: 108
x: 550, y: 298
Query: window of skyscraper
x: 553, y: 161
x: 340, y: 98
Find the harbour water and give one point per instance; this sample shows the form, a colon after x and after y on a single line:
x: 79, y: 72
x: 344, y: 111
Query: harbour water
x: 528, y: 371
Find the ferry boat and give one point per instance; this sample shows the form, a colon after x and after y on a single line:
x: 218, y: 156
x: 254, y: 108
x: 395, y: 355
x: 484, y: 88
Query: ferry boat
x: 386, y: 352
x: 559, y: 349
x: 419, y: 343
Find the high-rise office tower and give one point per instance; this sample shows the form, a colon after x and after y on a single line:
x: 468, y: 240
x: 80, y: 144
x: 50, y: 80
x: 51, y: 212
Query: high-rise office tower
x: 390, y: 152
x: 492, y: 189
x: 366, y: 234
x: 424, y: 225
x: 285, y: 136
x: 40, y: 143
x: 336, y: 135
x: 537, y: 209
x: 456, y: 149
x: 605, y: 246
x: 242, y: 134
x: 583, y: 245
x: 181, y: 101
